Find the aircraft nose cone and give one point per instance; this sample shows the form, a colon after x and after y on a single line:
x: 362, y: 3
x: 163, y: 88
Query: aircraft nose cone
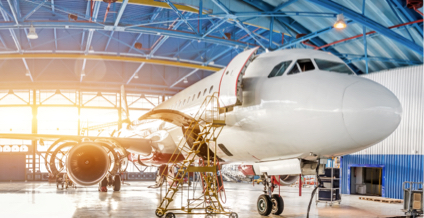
x: 371, y: 112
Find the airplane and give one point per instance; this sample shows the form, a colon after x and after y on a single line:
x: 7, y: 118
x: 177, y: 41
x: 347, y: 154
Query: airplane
x: 285, y: 110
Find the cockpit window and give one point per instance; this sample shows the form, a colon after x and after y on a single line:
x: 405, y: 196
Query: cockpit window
x: 279, y: 69
x: 302, y: 65
x: 305, y: 65
x: 332, y: 66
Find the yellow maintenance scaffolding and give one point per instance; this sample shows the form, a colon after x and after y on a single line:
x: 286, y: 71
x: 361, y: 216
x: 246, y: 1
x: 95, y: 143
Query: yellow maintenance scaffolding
x: 198, y: 144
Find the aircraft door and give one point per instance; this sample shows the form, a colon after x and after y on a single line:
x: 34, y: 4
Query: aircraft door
x: 230, y: 87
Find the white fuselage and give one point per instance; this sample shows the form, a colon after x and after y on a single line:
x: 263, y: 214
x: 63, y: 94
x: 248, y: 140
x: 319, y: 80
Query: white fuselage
x: 314, y: 112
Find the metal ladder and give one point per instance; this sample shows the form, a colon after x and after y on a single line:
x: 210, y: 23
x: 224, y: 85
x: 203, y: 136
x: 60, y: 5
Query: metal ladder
x: 202, y: 131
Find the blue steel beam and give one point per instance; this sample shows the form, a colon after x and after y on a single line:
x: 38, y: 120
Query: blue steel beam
x: 181, y: 79
x: 384, y: 59
x: 163, y: 40
x: 117, y: 20
x: 15, y: 18
x: 400, y: 19
x: 121, y: 12
x: 183, y: 47
x: 360, y: 19
x: 5, y: 11
x: 121, y: 42
x: 364, y: 30
x: 214, y: 27
x: 52, y: 4
x: 181, y: 16
x: 218, y: 55
x: 91, y: 31
x: 17, y: 9
x: 135, y: 73
x: 283, y: 5
x: 239, y: 23
x: 298, y: 28
x: 308, y: 36
x: 156, y: 14
x: 34, y: 10
x: 55, y: 38
x: 408, y: 14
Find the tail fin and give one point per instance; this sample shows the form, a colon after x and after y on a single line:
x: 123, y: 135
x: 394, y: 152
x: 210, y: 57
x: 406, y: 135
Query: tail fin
x: 124, y: 105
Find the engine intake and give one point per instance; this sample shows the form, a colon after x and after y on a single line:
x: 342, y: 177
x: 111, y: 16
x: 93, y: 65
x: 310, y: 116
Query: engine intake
x: 87, y: 164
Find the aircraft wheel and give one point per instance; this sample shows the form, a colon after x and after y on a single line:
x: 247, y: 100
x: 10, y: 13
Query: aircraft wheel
x: 117, y: 183
x: 233, y: 215
x: 264, y: 205
x: 277, y: 204
x: 159, y: 213
x: 170, y: 215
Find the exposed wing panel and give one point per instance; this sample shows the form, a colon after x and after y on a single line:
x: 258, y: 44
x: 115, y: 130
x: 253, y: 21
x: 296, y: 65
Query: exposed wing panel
x: 230, y: 86
x: 172, y: 116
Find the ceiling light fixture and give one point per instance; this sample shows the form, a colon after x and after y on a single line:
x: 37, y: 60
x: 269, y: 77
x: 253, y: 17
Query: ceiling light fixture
x: 340, y: 23
x: 136, y: 76
x: 185, y: 80
x: 27, y: 73
x: 32, y: 34
x: 83, y: 73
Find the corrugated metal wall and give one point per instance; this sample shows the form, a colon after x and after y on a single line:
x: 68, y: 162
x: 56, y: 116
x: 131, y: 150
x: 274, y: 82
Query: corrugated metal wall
x: 402, y: 153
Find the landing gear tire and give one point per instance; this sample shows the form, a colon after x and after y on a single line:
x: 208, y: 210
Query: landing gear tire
x: 170, y: 215
x: 117, y: 183
x: 159, y: 213
x: 233, y: 215
x: 264, y: 205
x: 277, y: 204
x: 209, y: 210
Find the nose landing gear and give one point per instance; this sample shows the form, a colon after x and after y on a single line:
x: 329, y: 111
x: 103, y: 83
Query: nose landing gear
x: 269, y: 203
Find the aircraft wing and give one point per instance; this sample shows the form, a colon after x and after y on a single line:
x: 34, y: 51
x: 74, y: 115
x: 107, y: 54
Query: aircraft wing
x: 139, y: 145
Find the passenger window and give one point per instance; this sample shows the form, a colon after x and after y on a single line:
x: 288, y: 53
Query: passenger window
x: 210, y: 90
x: 294, y: 70
x: 279, y: 69
x: 204, y: 92
x: 184, y: 102
x: 188, y: 100
x: 194, y: 96
x: 305, y: 65
x: 199, y: 94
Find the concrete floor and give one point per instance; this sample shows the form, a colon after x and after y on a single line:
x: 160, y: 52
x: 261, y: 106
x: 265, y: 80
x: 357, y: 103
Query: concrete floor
x: 40, y: 199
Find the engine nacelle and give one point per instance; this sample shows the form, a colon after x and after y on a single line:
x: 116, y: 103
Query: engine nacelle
x: 87, y: 163
x: 288, y: 179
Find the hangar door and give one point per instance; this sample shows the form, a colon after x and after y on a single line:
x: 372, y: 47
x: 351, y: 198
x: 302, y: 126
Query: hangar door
x: 12, y: 167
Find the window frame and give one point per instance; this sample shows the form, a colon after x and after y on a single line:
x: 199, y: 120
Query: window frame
x: 285, y: 71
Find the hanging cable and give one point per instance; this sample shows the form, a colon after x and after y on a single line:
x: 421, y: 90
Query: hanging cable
x: 315, y: 189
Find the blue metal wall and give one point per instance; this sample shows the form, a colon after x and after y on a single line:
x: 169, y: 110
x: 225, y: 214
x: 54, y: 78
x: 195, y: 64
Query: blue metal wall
x: 397, y: 169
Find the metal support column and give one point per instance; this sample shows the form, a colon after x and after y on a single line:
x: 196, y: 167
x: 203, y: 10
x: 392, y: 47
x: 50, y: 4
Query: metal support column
x: 300, y: 184
x: 79, y: 111
x: 34, y: 129
x: 365, y: 39
x: 120, y: 112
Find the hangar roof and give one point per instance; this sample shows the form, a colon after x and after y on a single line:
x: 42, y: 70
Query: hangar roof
x: 153, y: 45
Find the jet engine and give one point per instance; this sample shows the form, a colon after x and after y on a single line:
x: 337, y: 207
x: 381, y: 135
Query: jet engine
x: 288, y: 179
x: 87, y: 163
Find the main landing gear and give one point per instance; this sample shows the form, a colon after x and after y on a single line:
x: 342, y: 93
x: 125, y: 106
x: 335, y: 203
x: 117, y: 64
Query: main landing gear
x: 114, y: 181
x: 269, y: 203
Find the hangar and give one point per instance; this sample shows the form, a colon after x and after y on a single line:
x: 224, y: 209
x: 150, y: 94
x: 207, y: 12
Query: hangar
x: 130, y: 87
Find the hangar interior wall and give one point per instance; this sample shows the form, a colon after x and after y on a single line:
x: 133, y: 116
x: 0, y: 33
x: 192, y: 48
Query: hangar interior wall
x: 401, y: 154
